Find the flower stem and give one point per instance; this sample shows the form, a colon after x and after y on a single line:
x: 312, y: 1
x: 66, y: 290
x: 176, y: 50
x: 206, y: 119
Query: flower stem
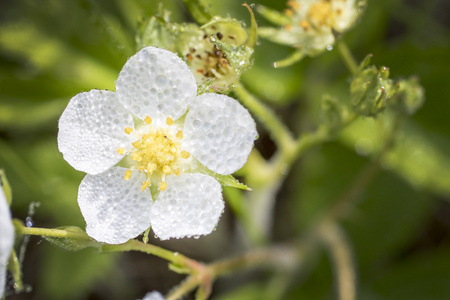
x: 336, y: 243
x: 278, y: 131
x: 347, y: 56
x: 185, y: 287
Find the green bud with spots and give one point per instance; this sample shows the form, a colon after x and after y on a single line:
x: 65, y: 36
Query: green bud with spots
x: 217, y: 52
x: 370, y: 90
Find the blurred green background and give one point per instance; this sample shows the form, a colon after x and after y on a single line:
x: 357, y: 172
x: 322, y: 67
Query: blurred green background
x: 50, y: 50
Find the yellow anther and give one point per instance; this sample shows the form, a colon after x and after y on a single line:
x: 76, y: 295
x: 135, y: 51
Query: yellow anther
x: 141, y: 168
x: 145, y: 185
x: 148, y: 120
x: 128, y: 174
x: 120, y: 150
x: 128, y: 130
x: 162, y: 186
x: 136, y: 157
x: 169, y: 121
x: 289, y: 13
x: 185, y: 154
x: 151, y: 167
x: 136, y: 144
x: 177, y: 172
x: 173, y: 150
x: 180, y: 134
x: 304, y: 24
x: 159, y: 133
x: 167, y: 170
x: 288, y: 27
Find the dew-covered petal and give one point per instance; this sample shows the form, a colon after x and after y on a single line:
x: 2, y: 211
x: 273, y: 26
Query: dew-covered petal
x: 153, y: 296
x: 190, y: 206
x: 156, y: 83
x: 115, y: 209
x: 6, y: 238
x: 91, y: 129
x: 219, y: 132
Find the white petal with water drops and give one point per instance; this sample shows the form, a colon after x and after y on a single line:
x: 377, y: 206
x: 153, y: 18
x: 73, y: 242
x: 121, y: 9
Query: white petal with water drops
x: 115, y: 209
x: 91, y: 129
x: 219, y: 132
x: 156, y: 83
x: 190, y: 206
x: 6, y: 238
x: 153, y: 296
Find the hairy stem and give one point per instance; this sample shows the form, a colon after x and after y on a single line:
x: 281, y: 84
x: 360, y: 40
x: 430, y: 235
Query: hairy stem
x: 278, y: 131
x: 347, y: 56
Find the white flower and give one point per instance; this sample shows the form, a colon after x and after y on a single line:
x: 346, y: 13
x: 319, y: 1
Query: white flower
x: 145, y: 127
x: 153, y: 296
x: 6, y: 238
x: 313, y: 23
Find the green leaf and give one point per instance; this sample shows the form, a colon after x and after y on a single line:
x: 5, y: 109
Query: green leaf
x: 419, y: 156
x: 423, y: 276
x: 73, y: 244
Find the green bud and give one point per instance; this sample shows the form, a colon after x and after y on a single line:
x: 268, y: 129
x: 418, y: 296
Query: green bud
x: 6, y: 187
x: 217, y: 52
x: 370, y: 90
x: 409, y: 96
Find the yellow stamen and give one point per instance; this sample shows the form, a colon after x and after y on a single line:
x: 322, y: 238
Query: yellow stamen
x: 148, y: 120
x: 288, y: 27
x: 288, y: 12
x: 304, y: 24
x: 167, y: 170
x: 120, y: 150
x: 128, y: 130
x: 136, y: 157
x: 173, y: 150
x: 162, y: 186
x: 185, y: 154
x: 145, y: 185
x: 180, y: 134
x: 177, y: 172
x: 169, y: 121
x: 128, y: 174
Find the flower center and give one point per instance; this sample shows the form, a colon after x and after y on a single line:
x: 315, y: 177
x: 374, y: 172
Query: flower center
x: 156, y: 152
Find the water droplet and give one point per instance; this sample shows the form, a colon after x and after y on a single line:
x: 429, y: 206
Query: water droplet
x: 329, y: 47
x: 175, y: 253
x: 275, y: 65
x: 29, y: 222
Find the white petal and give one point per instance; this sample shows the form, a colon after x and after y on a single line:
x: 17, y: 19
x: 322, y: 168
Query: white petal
x: 156, y: 83
x: 91, y: 129
x: 153, y: 296
x: 219, y: 132
x: 6, y: 238
x: 190, y: 206
x: 115, y: 209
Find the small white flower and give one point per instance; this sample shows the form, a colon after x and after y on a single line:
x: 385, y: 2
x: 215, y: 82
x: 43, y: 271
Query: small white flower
x: 153, y: 296
x: 313, y: 23
x: 6, y: 238
x: 145, y: 127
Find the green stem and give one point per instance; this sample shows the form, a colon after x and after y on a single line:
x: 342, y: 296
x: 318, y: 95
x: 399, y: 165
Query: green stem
x: 340, y: 253
x: 347, y: 57
x: 14, y: 268
x: 132, y: 245
x: 278, y: 131
x: 185, y: 287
